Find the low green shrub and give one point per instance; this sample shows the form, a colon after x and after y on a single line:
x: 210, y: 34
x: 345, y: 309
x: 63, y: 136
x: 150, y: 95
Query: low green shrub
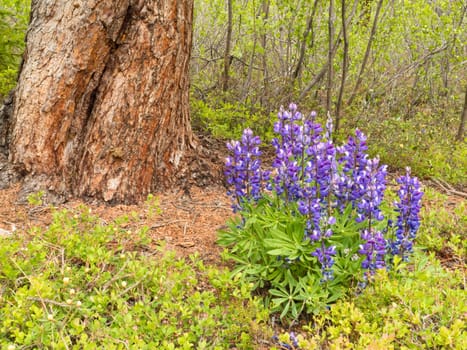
x: 424, y: 143
x: 445, y: 226
x: 14, y: 16
x: 423, y: 307
x: 227, y: 120
x: 84, y: 285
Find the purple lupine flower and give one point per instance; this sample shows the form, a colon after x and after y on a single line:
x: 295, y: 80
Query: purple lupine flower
x: 325, y: 255
x: 310, y: 207
x: 318, y: 170
x: 408, y: 221
x: 371, y: 184
x: 354, y: 160
x: 289, y: 146
x: 294, y: 340
x: 316, y: 186
x: 243, y: 169
x: 374, y: 250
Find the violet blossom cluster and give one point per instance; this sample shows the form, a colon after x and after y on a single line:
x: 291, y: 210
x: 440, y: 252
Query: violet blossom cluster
x: 320, y: 178
x: 373, y: 249
x: 243, y: 169
x: 370, y: 187
x: 354, y: 161
x: 371, y: 184
x: 408, y: 208
x: 288, y: 146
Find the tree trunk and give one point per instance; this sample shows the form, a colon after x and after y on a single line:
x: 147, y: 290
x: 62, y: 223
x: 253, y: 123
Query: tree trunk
x: 461, y: 130
x: 101, y: 108
x: 367, y: 52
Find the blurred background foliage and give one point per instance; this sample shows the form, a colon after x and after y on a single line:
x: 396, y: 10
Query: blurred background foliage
x: 396, y: 69
x: 14, y: 18
x: 405, y: 78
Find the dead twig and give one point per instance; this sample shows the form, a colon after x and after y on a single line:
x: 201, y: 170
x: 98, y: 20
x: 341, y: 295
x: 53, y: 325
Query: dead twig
x: 48, y: 301
x: 166, y: 223
x: 449, y: 190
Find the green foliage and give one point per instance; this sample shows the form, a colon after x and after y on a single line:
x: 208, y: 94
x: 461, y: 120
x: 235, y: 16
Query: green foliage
x: 35, y: 199
x: 228, y: 120
x: 14, y: 16
x: 444, y: 226
x: 419, y: 309
x: 82, y: 284
x: 271, y: 251
x: 411, y: 96
x: 152, y: 206
x: 427, y: 146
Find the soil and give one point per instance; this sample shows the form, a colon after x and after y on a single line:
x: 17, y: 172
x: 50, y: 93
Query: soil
x: 184, y: 222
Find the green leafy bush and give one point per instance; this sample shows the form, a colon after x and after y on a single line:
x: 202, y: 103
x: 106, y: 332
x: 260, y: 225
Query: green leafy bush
x: 270, y: 249
x: 227, y: 120
x: 422, y: 142
x: 420, y: 309
x: 445, y: 227
x: 82, y: 284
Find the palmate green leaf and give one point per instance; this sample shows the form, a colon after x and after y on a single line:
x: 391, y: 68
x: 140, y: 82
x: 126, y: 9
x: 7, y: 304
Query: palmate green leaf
x: 286, y: 309
x: 276, y: 276
x: 282, y: 293
x: 291, y: 281
x: 279, y: 242
x: 281, y: 252
x: 226, y: 238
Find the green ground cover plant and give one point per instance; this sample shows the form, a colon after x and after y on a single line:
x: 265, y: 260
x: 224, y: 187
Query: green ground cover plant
x: 445, y: 227
x: 422, y: 307
x: 58, y: 291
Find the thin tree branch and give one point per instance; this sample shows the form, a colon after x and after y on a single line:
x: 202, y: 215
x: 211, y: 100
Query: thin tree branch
x: 330, y: 69
x: 308, y: 30
x: 367, y: 53
x: 225, y: 78
x: 345, y: 65
x: 324, y: 69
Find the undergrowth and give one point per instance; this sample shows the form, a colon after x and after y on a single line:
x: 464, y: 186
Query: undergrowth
x: 84, y: 285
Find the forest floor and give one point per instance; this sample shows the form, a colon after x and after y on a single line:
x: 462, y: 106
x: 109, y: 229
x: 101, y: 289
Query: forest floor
x: 181, y: 222
x: 184, y: 223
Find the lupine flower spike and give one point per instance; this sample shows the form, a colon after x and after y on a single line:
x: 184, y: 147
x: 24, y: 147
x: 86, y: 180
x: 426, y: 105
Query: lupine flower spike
x: 243, y: 169
x: 408, y: 221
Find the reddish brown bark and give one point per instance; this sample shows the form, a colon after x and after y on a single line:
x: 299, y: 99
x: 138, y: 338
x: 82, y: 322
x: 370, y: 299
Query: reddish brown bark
x: 102, y: 108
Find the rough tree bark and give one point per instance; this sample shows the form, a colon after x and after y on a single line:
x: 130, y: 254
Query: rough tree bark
x: 101, y: 108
